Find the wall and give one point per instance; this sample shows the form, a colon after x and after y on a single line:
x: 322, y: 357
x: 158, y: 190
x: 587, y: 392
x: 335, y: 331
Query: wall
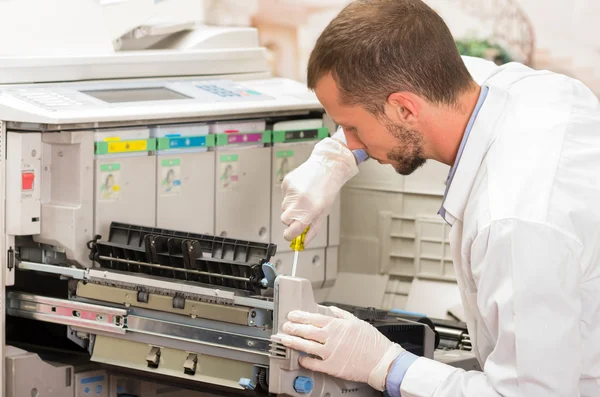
x: 566, y: 33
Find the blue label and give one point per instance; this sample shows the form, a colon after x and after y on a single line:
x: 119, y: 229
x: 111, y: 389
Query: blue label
x: 92, y: 379
x: 98, y: 389
x: 86, y: 390
x: 183, y: 142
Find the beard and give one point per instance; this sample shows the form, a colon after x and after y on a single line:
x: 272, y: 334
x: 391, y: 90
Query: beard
x: 408, y: 155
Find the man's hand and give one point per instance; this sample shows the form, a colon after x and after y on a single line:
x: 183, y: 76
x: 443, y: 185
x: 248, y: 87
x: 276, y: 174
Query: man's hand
x: 310, y: 190
x: 350, y: 348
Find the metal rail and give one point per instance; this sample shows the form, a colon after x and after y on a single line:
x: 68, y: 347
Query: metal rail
x: 66, y: 312
x: 176, y: 269
x: 91, y: 317
x: 136, y: 281
x: 199, y: 335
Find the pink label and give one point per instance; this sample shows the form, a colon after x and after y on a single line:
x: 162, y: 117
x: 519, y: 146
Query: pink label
x: 243, y: 138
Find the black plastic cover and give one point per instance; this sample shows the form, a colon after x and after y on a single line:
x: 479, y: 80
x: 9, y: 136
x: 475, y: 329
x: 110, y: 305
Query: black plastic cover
x: 408, y: 335
x: 368, y: 314
x: 168, y: 253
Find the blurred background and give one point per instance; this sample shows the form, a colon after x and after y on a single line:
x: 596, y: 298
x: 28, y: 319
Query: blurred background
x: 558, y: 35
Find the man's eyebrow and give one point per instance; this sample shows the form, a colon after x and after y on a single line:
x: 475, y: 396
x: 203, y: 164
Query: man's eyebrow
x: 335, y: 121
x: 341, y: 124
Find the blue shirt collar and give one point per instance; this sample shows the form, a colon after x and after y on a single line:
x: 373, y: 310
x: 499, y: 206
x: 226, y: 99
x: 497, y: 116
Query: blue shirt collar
x: 480, y: 101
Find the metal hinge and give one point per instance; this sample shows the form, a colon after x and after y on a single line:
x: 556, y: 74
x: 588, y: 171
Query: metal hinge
x: 11, y: 258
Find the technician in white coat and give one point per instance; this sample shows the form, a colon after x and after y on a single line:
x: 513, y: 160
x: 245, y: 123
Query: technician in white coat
x: 523, y: 199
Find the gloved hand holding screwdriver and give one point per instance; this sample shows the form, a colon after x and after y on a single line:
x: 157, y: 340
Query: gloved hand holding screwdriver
x: 348, y: 348
x: 310, y: 190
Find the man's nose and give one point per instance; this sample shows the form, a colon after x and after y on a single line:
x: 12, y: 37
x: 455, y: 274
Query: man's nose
x: 353, y: 141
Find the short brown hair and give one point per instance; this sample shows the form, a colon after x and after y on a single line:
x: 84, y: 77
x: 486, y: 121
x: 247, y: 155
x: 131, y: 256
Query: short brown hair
x: 378, y: 47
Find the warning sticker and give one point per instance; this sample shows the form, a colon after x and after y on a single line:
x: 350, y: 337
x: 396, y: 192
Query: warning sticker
x: 170, y: 183
x: 284, y: 164
x: 109, y: 188
x: 228, y: 171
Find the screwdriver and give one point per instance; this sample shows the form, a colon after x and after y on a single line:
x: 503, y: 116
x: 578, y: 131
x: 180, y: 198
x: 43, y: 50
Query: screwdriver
x: 297, y: 245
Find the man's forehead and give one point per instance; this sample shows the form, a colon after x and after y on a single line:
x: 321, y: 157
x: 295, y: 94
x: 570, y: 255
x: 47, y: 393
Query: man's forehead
x: 327, y: 93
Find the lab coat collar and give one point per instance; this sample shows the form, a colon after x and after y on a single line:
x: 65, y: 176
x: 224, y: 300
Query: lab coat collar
x: 481, y: 138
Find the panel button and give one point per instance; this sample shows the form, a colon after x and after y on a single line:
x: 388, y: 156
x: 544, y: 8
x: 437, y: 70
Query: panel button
x: 27, y: 180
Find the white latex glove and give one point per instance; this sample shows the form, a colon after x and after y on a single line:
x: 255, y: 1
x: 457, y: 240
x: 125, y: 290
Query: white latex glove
x: 350, y: 348
x: 310, y: 190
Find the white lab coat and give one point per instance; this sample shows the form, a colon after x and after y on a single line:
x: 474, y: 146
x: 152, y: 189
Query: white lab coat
x: 525, y: 212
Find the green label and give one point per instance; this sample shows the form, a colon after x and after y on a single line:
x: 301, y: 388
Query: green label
x: 162, y: 143
x: 110, y: 167
x: 229, y: 158
x: 171, y: 162
x: 284, y: 153
x: 151, y: 144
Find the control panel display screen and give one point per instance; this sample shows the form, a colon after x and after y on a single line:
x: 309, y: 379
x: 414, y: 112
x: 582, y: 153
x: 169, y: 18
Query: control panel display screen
x: 135, y: 95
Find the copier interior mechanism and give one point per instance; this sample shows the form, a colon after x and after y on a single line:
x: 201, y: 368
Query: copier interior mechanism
x: 198, y: 308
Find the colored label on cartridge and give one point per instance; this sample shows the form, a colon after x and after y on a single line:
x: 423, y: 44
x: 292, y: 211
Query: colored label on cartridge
x: 228, y: 158
x: 170, y: 183
x: 238, y: 138
x: 284, y: 153
x: 112, y: 146
x: 182, y: 142
x: 228, y: 171
x: 244, y: 138
x: 311, y: 134
x: 284, y: 163
x: 109, y: 176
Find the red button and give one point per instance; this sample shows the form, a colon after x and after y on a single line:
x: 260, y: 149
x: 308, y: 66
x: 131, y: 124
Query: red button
x: 27, y: 181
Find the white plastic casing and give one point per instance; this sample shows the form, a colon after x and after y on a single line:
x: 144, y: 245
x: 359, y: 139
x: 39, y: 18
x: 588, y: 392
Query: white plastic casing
x: 23, y: 162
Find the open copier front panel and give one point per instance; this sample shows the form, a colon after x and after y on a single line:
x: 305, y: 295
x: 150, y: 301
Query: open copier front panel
x: 141, y: 237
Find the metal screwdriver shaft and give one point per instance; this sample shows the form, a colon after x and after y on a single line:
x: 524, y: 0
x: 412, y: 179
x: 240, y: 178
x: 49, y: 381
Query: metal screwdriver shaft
x: 295, y: 263
x: 297, y: 245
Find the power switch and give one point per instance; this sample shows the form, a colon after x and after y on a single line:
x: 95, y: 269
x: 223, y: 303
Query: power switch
x: 27, y: 180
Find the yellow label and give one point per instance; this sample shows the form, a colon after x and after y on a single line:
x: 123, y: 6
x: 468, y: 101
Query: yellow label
x: 127, y: 146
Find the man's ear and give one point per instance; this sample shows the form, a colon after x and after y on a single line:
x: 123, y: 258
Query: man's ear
x: 403, y: 106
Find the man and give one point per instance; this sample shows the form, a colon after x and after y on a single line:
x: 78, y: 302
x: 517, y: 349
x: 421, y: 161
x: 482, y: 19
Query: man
x: 523, y: 199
